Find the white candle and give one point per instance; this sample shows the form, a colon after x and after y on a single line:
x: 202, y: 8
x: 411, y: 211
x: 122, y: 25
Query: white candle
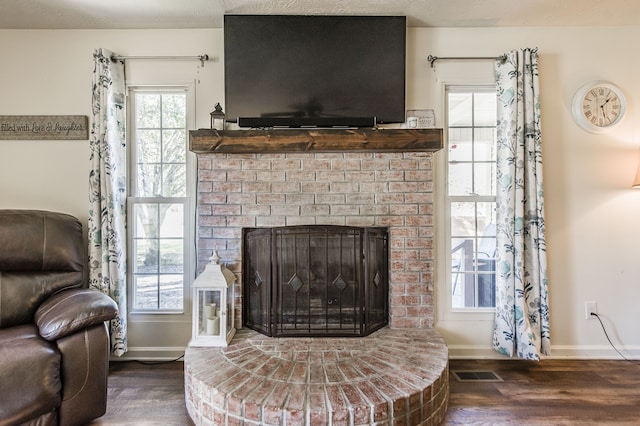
x: 213, y: 326
x: 209, y: 311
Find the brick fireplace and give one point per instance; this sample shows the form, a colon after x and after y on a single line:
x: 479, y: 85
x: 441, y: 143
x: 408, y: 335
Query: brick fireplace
x: 385, y: 189
x: 346, y: 177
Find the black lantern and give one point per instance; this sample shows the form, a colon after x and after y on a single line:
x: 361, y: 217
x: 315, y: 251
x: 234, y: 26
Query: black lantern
x: 217, y: 118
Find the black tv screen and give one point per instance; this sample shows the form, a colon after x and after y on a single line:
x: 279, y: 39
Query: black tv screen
x: 308, y: 70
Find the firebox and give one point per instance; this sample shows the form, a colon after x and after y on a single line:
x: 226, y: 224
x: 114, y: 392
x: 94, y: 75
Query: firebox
x: 315, y: 280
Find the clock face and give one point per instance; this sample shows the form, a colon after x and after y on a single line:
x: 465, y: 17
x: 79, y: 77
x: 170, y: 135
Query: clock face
x: 601, y: 106
x: 598, y: 106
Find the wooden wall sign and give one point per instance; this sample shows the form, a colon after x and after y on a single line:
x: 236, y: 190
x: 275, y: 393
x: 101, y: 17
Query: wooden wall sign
x: 44, y: 127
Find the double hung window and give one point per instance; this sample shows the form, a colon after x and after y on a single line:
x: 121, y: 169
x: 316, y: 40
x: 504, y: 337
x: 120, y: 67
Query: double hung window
x: 471, y: 164
x: 159, y: 208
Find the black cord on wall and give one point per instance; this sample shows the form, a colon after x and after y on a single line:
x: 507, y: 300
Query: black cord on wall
x: 610, y: 342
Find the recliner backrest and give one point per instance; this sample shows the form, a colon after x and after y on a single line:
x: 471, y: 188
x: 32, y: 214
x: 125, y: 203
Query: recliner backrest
x: 41, y: 253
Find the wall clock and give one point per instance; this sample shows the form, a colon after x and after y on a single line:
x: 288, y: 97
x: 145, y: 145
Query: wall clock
x: 598, y: 106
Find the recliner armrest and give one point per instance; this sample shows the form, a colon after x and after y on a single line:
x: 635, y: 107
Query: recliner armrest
x: 72, y: 310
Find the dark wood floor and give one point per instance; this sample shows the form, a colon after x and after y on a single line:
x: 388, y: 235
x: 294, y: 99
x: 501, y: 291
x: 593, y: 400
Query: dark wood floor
x: 550, y: 392
x: 145, y: 395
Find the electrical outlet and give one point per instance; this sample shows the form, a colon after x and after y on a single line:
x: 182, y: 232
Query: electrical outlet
x: 589, y: 308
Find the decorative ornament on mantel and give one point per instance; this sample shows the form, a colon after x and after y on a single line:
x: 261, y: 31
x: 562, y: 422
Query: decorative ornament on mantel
x: 213, y: 310
x: 217, y: 117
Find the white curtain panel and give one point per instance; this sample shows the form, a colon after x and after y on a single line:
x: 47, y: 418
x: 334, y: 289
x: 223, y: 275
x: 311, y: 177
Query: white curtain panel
x: 107, y: 190
x: 522, y: 310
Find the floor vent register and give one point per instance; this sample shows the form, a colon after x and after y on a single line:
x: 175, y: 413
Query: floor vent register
x: 476, y: 376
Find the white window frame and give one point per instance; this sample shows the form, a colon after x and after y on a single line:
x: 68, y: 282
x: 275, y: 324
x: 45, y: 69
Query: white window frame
x: 449, y: 200
x: 188, y: 202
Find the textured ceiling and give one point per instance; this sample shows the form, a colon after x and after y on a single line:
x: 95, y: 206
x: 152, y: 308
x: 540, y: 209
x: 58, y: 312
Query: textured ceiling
x: 106, y: 14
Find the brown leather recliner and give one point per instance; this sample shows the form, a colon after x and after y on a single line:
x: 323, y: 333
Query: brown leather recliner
x: 54, y: 345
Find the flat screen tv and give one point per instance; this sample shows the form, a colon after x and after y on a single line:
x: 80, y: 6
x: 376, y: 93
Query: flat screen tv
x: 314, y: 70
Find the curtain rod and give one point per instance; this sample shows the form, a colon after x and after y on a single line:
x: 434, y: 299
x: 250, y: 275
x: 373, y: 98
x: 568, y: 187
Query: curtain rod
x: 200, y: 58
x: 432, y: 59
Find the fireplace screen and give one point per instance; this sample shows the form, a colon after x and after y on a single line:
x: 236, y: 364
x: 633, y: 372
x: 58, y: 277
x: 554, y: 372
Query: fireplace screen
x: 315, y: 280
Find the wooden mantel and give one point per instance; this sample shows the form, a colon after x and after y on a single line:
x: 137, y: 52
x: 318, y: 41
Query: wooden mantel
x: 314, y: 140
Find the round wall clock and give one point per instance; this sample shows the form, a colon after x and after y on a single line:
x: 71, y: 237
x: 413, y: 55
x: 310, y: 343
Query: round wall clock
x: 598, y: 106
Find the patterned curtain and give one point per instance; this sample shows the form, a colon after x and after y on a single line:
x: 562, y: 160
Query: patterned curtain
x: 522, y: 310
x: 107, y: 191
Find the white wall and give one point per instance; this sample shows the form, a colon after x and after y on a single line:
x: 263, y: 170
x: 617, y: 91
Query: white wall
x: 50, y: 72
x: 590, y: 207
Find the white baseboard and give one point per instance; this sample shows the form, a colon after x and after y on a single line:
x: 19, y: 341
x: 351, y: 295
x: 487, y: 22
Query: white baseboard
x: 605, y: 352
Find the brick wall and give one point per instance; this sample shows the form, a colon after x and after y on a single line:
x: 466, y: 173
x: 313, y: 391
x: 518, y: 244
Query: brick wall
x: 394, y: 190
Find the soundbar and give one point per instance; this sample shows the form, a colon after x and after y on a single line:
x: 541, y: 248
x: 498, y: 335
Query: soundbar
x: 306, y: 121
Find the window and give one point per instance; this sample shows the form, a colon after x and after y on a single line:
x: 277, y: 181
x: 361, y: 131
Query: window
x: 159, y: 206
x: 471, y: 164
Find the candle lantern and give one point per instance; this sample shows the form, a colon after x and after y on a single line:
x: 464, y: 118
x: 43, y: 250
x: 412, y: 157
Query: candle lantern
x: 217, y: 118
x: 213, y: 306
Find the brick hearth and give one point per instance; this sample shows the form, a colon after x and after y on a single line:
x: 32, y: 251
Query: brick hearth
x: 392, y: 377
x: 393, y: 190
